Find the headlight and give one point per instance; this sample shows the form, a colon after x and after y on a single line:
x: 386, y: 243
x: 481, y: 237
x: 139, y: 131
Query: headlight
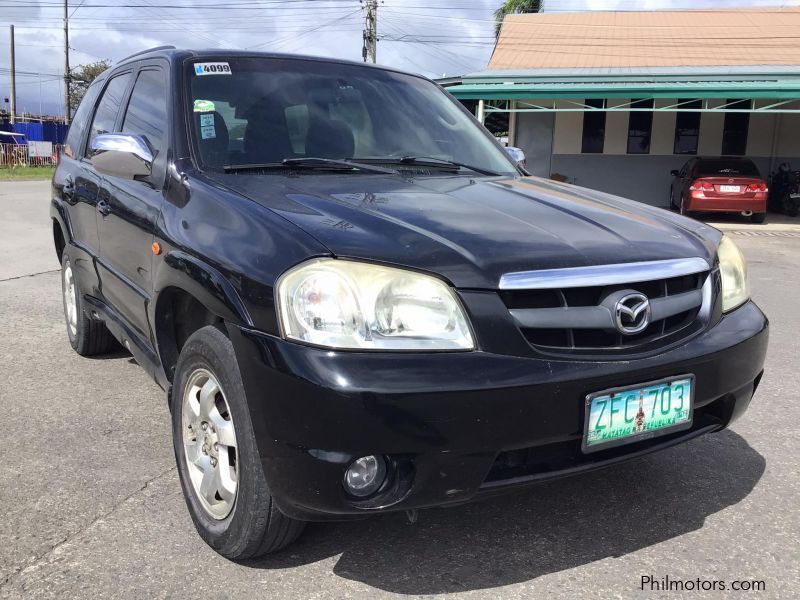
x: 733, y: 268
x: 347, y: 304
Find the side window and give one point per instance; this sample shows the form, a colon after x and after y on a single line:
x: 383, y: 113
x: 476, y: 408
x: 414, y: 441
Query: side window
x: 146, y: 114
x: 80, y: 121
x: 106, y: 114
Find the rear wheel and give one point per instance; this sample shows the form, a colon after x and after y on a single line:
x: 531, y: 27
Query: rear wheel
x: 215, y: 449
x: 758, y: 217
x: 87, y: 336
x: 683, y: 210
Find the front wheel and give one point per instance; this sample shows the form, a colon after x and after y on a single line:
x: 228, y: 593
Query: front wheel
x: 216, y: 453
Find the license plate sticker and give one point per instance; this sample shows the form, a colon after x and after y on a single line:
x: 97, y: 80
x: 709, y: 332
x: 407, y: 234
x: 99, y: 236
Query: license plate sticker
x: 730, y: 188
x: 212, y: 68
x: 630, y: 414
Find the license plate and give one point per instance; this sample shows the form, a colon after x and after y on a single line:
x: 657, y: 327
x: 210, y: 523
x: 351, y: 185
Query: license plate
x: 730, y: 188
x: 630, y: 414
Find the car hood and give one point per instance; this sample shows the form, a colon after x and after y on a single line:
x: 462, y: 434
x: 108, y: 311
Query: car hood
x: 472, y: 231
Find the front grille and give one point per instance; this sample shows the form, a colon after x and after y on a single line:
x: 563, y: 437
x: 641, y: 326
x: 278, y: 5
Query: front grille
x: 580, y: 319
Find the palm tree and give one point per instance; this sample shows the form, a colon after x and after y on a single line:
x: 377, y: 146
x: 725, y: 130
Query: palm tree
x: 514, y: 7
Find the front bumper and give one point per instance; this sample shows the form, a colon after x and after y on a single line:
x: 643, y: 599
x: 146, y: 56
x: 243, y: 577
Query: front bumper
x: 457, y: 426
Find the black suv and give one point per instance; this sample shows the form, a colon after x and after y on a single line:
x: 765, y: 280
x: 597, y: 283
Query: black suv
x: 358, y: 302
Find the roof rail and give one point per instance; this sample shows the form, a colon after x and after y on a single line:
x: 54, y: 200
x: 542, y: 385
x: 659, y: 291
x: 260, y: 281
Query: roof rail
x: 154, y: 49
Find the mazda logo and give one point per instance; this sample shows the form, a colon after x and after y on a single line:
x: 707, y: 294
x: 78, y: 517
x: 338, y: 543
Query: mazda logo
x: 632, y: 313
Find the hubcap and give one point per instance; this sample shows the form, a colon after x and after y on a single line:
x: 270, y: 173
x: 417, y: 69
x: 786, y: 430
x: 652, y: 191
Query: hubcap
x: 70, y: 302
x: 209, y: 443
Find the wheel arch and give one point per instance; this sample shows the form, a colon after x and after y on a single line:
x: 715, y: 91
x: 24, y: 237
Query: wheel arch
x: 191, y: 294
x: 59, y: 239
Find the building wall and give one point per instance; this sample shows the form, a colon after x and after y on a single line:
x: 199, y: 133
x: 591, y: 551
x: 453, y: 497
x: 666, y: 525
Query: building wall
x: 772, y: 139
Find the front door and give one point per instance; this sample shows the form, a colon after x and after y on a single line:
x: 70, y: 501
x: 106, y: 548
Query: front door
x: 130, y: 209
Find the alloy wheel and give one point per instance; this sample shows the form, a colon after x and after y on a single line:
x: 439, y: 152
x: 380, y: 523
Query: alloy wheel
x: 70, y: 300
x: 209, y: 443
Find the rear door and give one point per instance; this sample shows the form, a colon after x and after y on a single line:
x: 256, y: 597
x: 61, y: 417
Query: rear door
x: 76, y: 181
x: 132, y: 207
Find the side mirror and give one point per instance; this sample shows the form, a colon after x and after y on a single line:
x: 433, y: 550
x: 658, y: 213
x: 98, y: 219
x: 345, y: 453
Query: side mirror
x: 516, y: 154
x: 675, y: 173
x: 122, y: 155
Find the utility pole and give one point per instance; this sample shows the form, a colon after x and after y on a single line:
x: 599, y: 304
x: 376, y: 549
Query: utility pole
x: 13, y: 81
x: 370, y: 49
x: 67, y: 107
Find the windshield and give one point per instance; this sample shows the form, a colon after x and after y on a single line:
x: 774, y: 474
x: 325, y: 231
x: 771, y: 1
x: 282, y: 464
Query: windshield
x: 725, y: 168
x: 253, y: 111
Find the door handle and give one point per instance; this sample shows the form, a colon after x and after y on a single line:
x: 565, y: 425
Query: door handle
x: 103, y: 207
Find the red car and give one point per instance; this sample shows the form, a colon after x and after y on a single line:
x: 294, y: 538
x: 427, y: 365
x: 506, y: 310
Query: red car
x: 731, y: 185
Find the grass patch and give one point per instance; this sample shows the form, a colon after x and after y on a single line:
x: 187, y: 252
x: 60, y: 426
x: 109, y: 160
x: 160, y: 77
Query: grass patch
x: 25, y: 173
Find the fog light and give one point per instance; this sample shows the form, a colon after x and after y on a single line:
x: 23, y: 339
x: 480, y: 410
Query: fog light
x: 365, y: 475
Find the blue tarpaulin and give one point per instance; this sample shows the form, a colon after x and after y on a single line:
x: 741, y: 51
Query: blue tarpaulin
x: 39, y: 132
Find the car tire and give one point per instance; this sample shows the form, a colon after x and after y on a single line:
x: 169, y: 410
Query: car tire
x: 87, y: 336
x: 672, y: 204
x: 758, y: 217
x: 219, y: 466
x: 683, y: 211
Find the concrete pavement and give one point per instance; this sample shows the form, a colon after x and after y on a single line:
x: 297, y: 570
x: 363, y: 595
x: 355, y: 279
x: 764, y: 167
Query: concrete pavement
x: 93, y: 507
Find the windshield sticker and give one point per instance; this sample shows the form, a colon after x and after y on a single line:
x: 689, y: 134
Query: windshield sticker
x: 203, y: 106
x: 214, y: 68
x: 208, y: 132
x: 206, y: 120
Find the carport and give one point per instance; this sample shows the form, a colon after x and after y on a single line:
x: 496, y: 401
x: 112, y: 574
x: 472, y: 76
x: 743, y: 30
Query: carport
x: 624, y: 98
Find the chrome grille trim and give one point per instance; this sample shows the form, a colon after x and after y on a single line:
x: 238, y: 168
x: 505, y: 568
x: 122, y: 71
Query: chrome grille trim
x: 603, y: 275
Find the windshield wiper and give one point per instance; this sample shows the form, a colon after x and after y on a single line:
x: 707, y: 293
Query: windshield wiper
x: 427, y: 161
x: 327, y: 164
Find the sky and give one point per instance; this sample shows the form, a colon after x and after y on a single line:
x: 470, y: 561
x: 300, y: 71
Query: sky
x: 432, y: 37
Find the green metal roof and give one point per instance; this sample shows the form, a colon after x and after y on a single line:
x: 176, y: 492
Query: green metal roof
x: 757, y: 81
x: 641, y: 88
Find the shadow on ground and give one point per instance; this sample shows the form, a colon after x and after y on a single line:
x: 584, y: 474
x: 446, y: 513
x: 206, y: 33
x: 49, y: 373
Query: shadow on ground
x: 544, y: 529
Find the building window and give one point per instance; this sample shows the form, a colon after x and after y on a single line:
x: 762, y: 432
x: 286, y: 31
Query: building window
x: 594, y: 127
x: 734, y: 133
x: 687, y: 127
x: 640, y: 126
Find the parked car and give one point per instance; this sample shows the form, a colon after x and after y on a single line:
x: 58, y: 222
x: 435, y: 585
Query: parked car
x: 359, y: 303
x: 724, y: 184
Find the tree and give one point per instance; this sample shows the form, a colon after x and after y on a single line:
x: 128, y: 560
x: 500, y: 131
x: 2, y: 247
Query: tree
x: 80, y: 78
x: 514, y: 7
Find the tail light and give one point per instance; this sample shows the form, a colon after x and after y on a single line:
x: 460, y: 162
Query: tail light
x: 700, y: 185
x: 757, y: 187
